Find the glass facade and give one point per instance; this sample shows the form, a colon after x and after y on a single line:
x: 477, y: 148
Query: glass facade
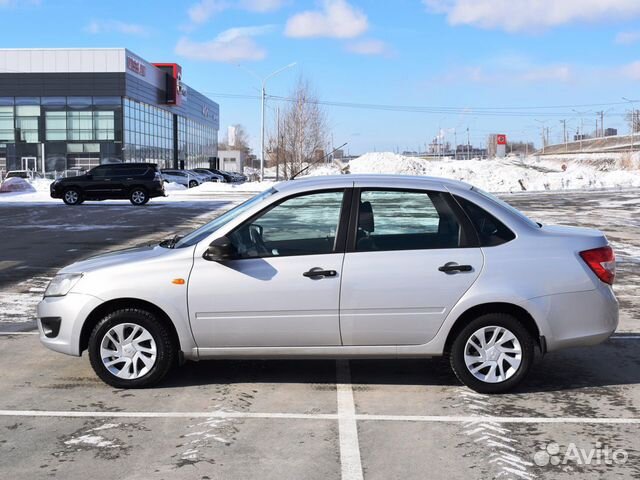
x: 148, y: 134
x: 197, y: 143
x: 55, y: 134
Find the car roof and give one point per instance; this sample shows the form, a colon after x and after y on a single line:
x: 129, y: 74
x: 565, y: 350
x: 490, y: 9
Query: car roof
x: 371, y: 180
x: 128, y: 164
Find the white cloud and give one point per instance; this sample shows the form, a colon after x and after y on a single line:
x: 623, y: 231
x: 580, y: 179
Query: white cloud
x: 233, y: 45
x: 107, y: 26
x: 628, y: 38
x: 523, y: 15
x: 261, y: 5
x: 368, y: 47
x: 494, y: 74
x: 337, y: 19
x: 16, y: 3
x: 202, y: 11
x: 632, y: 70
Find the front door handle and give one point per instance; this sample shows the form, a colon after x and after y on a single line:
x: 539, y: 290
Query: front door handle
x: 318, y: 272
x: 451, y: 267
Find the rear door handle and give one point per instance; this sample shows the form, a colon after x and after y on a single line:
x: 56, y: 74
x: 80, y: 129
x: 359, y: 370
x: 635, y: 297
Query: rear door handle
x: 318, y: 272
x: 454, y: 267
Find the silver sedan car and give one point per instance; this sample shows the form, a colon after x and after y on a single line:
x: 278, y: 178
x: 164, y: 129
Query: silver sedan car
x: 348, y: 266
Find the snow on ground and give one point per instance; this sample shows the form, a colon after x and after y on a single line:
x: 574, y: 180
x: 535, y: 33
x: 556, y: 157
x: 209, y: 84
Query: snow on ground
x: 512, y: 174
x: 18, y: 303
x: 509, y: 174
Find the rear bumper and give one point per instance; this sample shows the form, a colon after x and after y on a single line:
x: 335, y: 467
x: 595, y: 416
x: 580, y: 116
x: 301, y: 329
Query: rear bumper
x: 60, y: 321
x: 576, y: 319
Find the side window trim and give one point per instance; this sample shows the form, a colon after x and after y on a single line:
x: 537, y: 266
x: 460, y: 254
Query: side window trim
x: 470, y: 238
x: 339, y: 245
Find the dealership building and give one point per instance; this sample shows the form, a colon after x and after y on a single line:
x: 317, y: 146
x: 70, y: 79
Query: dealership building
x: 65, y: 109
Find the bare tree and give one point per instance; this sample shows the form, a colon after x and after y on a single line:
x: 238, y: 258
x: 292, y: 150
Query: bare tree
x: 299, y: 139
x: 241, y: 140
x: 633, y: 117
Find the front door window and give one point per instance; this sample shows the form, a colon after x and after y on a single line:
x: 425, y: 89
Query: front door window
x: 302, y: 225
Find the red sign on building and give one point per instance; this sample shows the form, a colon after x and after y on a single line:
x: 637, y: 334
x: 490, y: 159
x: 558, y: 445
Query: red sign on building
x: 175, y: 89
x: 501, y: 139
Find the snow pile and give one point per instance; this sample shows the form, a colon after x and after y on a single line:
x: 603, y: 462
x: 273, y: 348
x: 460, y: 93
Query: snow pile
x: 511, y: 174
x: 209, y: 188
x: 16, y: 185
x: 173, y: 186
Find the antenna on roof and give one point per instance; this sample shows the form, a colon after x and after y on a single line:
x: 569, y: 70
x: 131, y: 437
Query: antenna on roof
x: 293, y: 177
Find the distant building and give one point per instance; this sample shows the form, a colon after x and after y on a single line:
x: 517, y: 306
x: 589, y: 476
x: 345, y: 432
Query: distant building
x: 232, y: 160
x: 580, y: 136
x: 610, y: 132
x: 75, y: 108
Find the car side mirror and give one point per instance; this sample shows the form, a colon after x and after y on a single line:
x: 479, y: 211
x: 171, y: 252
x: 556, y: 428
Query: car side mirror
x: 220, y: 249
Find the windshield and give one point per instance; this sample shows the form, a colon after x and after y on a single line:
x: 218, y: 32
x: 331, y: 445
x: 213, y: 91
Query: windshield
x: 207, y: 229
x: 504, y: 204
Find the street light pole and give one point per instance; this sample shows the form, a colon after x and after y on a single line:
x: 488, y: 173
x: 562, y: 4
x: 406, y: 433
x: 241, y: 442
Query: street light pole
x: 633, y: 122
x: 263, y: 97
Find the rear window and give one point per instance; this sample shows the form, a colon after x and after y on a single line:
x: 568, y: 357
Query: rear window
x: 492, y: 232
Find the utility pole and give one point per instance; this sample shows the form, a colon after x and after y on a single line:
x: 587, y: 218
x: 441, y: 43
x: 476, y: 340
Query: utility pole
x: 277, y: 144
x: 263, y: 96
x: 468, y: 145
x: 564, y: 133
x: 633, y: 122
x: 455, y: 144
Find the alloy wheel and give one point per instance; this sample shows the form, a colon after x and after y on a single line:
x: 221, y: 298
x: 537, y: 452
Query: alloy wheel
x: 128, y: 351
x: 493, y: 354
x: 138, y: 197
x: 71, y: 196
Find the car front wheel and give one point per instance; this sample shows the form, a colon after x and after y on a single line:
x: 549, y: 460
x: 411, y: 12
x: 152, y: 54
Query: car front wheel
x: 131, y: 348
x: 72, y: 196
x: 492, y: 354
x: 193, y: 184
x: 138, y: 196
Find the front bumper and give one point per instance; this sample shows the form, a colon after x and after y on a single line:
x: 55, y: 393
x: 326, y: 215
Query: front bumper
x: 66, y: 315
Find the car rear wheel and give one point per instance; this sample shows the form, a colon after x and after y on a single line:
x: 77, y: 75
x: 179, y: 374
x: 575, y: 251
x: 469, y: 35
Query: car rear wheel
x: 131, y: 348
x: 72, y: 196
x: 138, y: 196
x: 193, y: 183
x: 492, y: 354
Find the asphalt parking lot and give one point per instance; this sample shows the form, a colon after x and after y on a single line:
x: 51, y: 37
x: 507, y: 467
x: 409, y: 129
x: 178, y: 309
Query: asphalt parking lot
x: 370, y: 419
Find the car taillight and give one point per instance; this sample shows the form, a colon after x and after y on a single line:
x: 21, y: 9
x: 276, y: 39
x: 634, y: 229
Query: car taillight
x: 602, y: 261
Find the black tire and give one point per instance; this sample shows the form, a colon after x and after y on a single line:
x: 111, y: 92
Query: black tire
x: 165, y: 348
x: 72, y: 196
x: 193, y: 183
x: 138, y: 196
x: 457, y: 354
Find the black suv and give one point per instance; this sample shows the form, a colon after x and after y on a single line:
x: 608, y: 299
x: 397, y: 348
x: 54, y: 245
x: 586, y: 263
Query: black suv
x: 136, y: 181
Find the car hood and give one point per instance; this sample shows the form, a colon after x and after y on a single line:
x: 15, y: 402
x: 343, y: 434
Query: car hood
x: 117, y: 257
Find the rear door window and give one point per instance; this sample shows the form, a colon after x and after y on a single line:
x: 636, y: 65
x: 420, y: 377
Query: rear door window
x: 492, y: 232
x: 405, y: 220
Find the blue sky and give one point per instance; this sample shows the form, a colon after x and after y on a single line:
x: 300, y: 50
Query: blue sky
x: 470, y: 58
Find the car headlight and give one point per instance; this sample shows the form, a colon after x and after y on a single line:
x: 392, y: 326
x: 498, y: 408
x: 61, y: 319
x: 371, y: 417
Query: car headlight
x: 61, y: 284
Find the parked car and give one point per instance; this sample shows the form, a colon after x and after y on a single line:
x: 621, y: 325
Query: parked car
x: 239, y: 177
x: 203, y: 177
x: 138, y: 182
x: 346, y: 266
x: 26, y: 174
x: 209, y: 175
x: 226, y: 175
x: 181, y: 177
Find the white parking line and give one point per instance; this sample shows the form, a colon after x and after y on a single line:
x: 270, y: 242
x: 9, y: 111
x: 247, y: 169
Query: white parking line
x: 323, y: 416
x: 19, y: 333
x: 347, y: 426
